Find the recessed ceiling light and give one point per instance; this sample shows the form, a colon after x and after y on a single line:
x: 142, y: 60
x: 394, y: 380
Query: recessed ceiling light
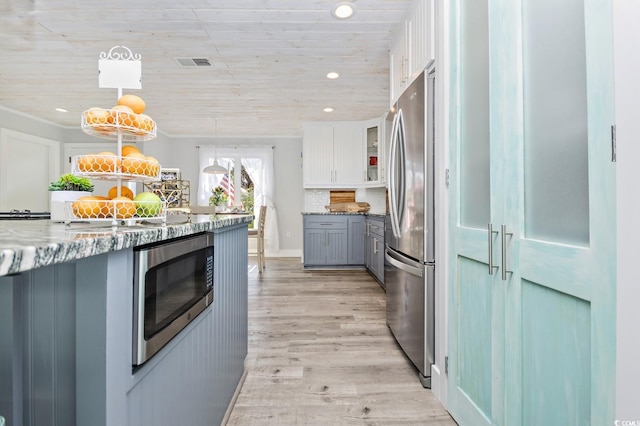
x: 61, y: 110
x: 333, y: 75
x: 328, y: 109
x: 343, y: 10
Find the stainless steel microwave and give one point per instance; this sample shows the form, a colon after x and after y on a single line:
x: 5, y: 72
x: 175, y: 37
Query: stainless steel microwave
x: 173, y: 283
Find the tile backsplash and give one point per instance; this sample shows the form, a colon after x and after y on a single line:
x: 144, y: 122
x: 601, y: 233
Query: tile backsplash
x: 315, y: 200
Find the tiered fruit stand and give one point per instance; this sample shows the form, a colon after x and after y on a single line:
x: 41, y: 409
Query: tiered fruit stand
x: 122, y: 126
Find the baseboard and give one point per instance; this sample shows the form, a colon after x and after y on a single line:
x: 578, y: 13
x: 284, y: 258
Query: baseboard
x: 232, y: 403
x: 283, y: 253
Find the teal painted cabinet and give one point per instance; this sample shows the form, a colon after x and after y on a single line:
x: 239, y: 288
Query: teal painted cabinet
x: 532, y: 206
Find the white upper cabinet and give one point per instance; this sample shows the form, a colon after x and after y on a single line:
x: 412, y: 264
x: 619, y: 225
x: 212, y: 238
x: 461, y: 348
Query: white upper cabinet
x: 347, y: 154
x: 332, y: 155
x: 399, y: 69
x: 317, y: 151
x: 414, y: 46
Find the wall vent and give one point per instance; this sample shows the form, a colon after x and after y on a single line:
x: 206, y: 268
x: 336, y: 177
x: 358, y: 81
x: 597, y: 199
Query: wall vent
x: 193, y: 62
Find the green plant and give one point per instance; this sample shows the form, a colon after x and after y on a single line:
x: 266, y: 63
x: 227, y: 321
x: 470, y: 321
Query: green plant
x: 247, y: 202
x: 247, y: 199
x: 70, y: 182
x: 218, y: 196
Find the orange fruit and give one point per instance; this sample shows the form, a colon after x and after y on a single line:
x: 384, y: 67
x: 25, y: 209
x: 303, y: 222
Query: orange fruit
x: 127, y: 149
x: 87, y: 207
x: 124, y: 192
x: 124, y: 207
x: 146, y: 122
x: 106, y: 162
x: 134, y: 102
x: 96, y: 116
x: 142, y: 124
x: 122, y: 115
x: 134, y: 163
x: 153, y: 166
x: 85, y: 163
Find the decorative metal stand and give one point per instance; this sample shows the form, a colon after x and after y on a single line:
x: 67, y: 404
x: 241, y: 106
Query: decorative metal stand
x: 118, y: 69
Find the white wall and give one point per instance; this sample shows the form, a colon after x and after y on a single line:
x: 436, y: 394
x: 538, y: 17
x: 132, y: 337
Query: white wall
x: 176, y: 152
x: 10, y: 119
x: 181, y: 152
x: 627, y: 76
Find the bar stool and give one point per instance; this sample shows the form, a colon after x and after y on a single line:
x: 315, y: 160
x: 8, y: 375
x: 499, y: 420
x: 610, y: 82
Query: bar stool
x: 258, y: 234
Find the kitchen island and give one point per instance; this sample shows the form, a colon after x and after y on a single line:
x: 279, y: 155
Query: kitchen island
x: 66, y: 312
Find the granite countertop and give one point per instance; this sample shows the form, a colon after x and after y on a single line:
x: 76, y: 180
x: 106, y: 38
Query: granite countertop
x: 345, y: 213
x: 29, y: 244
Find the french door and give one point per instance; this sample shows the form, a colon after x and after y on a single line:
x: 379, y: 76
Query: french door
x: 532, y: 202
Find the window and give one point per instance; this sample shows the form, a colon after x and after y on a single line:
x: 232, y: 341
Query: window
x: 250, y: 168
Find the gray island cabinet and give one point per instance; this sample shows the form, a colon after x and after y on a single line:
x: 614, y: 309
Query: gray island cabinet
x: 66, y: 312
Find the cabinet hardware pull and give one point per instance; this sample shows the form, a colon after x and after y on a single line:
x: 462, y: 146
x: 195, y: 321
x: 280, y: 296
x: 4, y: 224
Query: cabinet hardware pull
x: 375, y: 246
x: 503, y: 228
x: 490, y: 236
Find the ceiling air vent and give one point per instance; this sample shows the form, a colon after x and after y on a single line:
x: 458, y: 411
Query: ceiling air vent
x: 193, y: 62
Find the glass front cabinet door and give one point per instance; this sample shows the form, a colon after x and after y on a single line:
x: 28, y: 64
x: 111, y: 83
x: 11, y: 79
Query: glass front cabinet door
x: 374, y: 153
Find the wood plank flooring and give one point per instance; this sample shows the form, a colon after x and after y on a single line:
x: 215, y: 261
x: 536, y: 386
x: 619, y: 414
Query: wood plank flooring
x: 320, y: 353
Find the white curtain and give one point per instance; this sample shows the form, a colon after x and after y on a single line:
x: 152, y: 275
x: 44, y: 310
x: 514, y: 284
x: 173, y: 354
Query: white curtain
x: 258, y: 163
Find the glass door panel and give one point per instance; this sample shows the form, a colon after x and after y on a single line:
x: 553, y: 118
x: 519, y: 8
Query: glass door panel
x: 474, y: 114
x: 555, y: 122
x: 372, y: 154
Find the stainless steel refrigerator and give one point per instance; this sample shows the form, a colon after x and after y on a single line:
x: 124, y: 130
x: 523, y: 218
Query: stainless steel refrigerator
x: 409, y: 229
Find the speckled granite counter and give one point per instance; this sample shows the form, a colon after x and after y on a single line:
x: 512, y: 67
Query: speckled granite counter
x: 345, y: 213
x: 29, y: 244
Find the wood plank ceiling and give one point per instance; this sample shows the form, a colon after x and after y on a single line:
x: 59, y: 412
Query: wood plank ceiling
x: 269, y: 60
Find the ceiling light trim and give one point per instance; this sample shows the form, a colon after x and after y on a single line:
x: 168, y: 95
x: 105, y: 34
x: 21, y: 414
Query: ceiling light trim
x: 343, y: 10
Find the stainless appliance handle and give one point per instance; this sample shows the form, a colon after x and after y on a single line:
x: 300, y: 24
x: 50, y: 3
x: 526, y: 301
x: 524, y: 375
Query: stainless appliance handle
x: 159, y: 254
x: 402, y: 263
x: 392, y: 175
x: 402, y: 148
x: 396, y: 193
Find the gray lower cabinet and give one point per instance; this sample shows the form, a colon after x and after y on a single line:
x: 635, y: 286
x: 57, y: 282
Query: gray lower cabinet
x: 374, y: 247
x: 333, y: 240
x: 356, y: 240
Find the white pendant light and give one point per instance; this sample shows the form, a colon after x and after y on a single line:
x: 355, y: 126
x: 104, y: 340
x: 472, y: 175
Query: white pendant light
x: 215, y: 168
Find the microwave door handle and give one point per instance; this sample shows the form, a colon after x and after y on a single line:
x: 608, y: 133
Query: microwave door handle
x: 157, y: 255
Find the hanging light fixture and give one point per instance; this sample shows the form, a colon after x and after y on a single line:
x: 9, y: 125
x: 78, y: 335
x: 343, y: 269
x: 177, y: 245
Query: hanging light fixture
x: 215, y: 168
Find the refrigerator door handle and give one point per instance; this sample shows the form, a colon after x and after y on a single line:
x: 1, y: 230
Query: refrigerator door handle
x: 402, y: 148
x: 418, y: 270
x: 396, y: 193
x: 393, y: 215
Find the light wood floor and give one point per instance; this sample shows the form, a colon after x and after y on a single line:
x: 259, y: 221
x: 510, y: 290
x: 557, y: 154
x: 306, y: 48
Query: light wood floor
x: 320, y: 353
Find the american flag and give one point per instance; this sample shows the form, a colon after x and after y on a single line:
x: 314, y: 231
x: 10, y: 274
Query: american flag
x: 227, y: 185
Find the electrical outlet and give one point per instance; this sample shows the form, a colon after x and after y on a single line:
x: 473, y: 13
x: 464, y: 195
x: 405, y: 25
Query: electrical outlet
x: 288, y: 234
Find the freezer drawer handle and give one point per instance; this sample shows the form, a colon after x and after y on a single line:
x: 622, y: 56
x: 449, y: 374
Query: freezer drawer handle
x: 418, y: 272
